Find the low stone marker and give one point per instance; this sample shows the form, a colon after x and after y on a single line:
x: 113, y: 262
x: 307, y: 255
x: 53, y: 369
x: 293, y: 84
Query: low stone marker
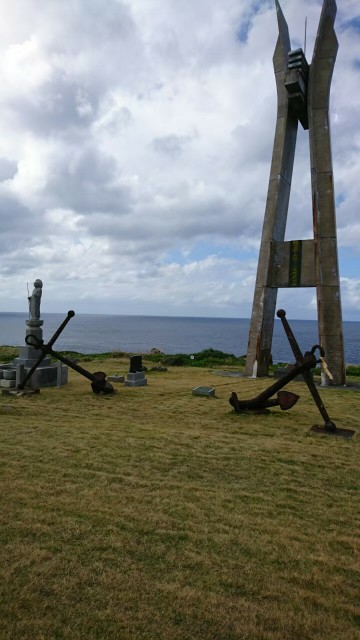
x: 136, y: 379
x: 116, y: 378
x: 7, y: 380
x: 204, y: 391
x: 7, y: 384
x: 136, y: 376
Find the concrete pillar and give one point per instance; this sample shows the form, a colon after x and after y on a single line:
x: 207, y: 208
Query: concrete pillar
x: 277, y: 204
x: 324, y: 216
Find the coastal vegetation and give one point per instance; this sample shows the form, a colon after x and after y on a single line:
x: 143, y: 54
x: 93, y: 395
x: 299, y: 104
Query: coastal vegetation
x: 206, y: 358
x: 154, y: 513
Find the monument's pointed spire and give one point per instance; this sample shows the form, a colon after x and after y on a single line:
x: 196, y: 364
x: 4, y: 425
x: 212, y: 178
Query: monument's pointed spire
x: 283, y: 27
x: 326, y: 37
x: 283, y: 42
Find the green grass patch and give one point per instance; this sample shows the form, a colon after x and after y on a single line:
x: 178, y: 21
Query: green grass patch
x: 155, y: 514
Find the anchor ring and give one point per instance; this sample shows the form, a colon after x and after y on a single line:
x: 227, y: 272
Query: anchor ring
x: 33, y: 341
x: 318, y: 347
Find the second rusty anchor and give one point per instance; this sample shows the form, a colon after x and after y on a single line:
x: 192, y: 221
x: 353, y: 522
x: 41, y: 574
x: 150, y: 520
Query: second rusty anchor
x: 286, y: 400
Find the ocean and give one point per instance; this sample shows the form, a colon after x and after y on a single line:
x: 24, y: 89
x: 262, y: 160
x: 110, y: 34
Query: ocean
x: 89, y: 333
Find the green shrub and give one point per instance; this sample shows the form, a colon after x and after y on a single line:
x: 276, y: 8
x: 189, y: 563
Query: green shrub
x: 353, y: 370
x: 178, y: 360
x: 7, y: 354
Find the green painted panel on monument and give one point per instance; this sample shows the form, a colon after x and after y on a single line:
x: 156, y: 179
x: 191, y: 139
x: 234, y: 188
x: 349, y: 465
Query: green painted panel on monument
x: 295, y: 259
x: 291, y: 264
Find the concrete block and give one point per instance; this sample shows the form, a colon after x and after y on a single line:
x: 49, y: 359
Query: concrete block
x: 9, y: 374
x: 136, y: 379
x: 136, y: 383
x: 116, y: 378
x: 28, y: 356
x: 20, y: 374
x: 204, y: 391
x: 49, y: 376
x: 139, y: 375
x: 7, y: 384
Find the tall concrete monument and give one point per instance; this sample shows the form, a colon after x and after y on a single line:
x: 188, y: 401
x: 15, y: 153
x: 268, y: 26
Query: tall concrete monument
x: 303, y: 92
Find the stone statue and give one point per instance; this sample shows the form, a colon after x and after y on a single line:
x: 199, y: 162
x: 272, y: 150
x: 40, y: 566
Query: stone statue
x: 34, y: 304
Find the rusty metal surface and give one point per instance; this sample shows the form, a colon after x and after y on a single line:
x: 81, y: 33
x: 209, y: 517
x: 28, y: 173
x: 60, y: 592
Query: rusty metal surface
x: 329, y: 424
x: 99, y: 384
x: 70, y: 314
x: 286, y: 400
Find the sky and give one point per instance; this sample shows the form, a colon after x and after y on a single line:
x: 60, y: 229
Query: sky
x: 135, y: 149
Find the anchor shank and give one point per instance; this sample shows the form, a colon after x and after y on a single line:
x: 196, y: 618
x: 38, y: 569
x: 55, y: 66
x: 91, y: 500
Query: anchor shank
x: 309, y: 361
x: 41, y: 357
x: 307, y: 375
x: 317, y: 399
x: 290, y: 336
x: 48, y: 350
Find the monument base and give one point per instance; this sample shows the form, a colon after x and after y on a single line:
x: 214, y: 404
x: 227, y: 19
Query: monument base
x: 47, y: 374
x: 337, y: 433
x: 50, y: 375
x: 136, y: 379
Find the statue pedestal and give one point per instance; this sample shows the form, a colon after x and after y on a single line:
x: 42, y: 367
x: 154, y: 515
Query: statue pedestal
x: 27, y: 354
x: 48, y: 374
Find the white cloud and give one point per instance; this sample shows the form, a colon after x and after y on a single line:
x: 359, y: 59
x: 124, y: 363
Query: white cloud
x: 136, y: 146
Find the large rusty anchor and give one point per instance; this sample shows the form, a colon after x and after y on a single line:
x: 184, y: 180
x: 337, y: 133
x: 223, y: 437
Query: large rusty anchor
x: 285, y: 399
x: 99, y: 384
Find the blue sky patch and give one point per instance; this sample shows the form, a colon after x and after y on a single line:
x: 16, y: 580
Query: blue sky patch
x: 203, y: 251
x: 340, y: 198
x: 243, y: 31
x: 348, y: 263
x: 352, y: 24
x: 245, y: 26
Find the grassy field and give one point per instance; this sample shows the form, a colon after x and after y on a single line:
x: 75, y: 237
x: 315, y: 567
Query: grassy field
x: 155, y: 514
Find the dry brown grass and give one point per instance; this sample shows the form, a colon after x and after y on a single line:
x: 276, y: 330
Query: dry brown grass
x: 155, y: 514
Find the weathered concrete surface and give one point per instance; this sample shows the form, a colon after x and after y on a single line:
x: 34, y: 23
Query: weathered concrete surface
x: 277, y: 203
x: 301, y: 263
x: 322, y: 183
